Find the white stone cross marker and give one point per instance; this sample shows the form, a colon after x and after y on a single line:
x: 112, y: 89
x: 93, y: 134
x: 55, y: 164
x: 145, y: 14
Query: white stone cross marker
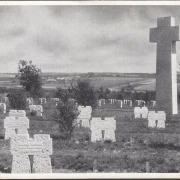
x: 3, y: 107
x: 30, y: 101
x: 165, y: 35
x: 42, y: 100
x: 156, y: 120
x: 84, y: 116
x: 102, y: 102
x: 32, y: 108
x: 15, y: 126
x: 120, y: 102
x: 37, y: 108
x: 98, y: 126
x: 21, y: 146
x: 140, y: 112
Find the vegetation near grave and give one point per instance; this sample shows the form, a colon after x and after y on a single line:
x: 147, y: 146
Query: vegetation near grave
x: 17, y: 99
x: 65, y: 115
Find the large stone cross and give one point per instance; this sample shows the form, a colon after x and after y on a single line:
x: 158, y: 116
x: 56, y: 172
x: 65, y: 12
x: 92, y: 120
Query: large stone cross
x: 165, y: 35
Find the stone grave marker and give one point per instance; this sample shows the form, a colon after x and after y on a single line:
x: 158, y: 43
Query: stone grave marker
x: 153, y: 103
x: 120, y: 102
x: 83, y: 119
x: 3, y: 107
x: 101, y: 102
x: 30, y: 101
x: 140, y: 112
x: 156, y: 119
x: 37, y: 108
x: 42, y: 100
x: 103, y: 129
x: 40, y: 147
x: 165, y: 35
x: 112, y: 101
x: 15, y: 126
x: 17, y: 113
x: 32, y: 108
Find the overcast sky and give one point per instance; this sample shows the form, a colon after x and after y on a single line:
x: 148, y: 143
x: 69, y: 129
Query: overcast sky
x: 81, y: 38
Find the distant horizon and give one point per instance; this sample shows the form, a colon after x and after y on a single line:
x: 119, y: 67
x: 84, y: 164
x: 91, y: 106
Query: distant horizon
x: 86, y: 73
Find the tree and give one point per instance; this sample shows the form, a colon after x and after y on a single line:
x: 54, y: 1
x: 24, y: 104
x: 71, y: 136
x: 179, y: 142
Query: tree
x: 66, y: 114
x: 85, y: 94
x: 30, y: 78
x: 62, y: 94
x: 17, y: 99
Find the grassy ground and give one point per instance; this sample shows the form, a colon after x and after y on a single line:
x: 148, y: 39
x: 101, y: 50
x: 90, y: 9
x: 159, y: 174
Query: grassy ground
x: 136, y: 144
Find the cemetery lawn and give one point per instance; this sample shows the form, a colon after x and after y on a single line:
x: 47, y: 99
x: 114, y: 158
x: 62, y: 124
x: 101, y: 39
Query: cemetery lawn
x: 136, y: 144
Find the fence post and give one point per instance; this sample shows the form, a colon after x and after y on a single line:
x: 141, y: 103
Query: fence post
x: 147, y: 167
x: 95, y: 166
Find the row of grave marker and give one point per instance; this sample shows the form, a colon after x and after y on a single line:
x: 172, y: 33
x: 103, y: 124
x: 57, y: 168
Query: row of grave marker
x: 105, y: 129
x: 128, y: 102
x: 17, y: 125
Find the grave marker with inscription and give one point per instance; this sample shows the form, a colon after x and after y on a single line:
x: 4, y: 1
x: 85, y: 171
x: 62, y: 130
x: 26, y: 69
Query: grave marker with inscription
x: 103, y: 129
x: 40, y: 147
x: 156, y: 119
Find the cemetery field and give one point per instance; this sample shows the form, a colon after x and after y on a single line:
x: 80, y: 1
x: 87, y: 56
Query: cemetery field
x: 135, y: 145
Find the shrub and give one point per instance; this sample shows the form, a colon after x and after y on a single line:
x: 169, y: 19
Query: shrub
x: 33, y: 113
x: 17, y: 99
x: 65, y: 115
x: 81, y: 163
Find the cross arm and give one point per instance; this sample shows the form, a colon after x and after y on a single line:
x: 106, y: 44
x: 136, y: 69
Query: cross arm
x: 162, y: 34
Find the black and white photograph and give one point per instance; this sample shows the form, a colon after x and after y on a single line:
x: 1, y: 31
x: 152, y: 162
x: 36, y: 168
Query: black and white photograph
x: 89, y: 88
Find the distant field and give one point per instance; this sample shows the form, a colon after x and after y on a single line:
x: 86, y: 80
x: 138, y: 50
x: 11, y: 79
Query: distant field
x: 113, y: 83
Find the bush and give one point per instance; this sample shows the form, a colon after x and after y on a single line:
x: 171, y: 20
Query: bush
x: 65, y: 115
x: 77, y: 163
x: 33, y: 113
x: 17, y: 99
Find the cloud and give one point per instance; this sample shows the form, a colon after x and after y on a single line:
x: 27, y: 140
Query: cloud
x: 81, y: 38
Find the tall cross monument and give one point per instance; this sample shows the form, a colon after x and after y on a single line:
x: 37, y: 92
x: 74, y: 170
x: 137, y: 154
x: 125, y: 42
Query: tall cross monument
x: 165, y: 35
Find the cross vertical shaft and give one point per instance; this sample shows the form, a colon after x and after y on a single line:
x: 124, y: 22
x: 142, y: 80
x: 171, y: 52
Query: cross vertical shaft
x: 165, y: 35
